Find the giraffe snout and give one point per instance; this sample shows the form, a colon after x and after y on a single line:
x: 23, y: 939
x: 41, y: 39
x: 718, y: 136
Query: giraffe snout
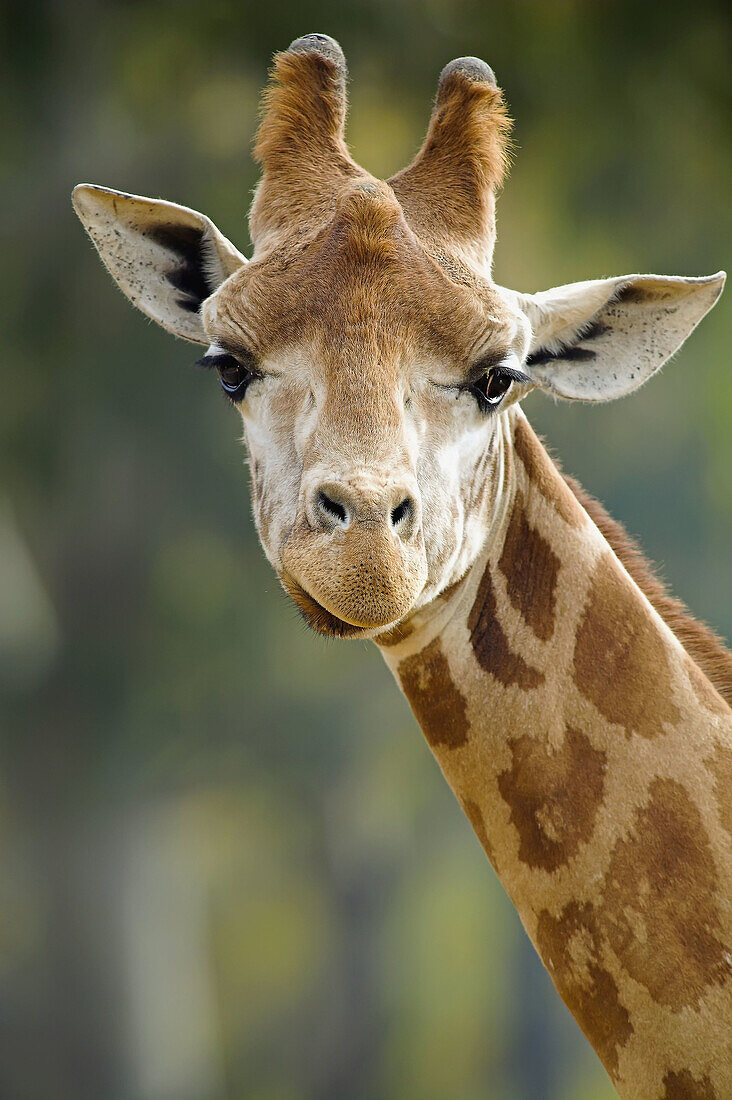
x: 338, y: 504
x: 357, y: 548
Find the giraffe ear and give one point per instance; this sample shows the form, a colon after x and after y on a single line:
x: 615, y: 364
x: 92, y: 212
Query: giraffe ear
x: 599, y: 340
x: 166, y: 258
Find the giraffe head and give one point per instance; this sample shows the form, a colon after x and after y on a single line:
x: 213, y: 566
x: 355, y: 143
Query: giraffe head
x: 371, y: 356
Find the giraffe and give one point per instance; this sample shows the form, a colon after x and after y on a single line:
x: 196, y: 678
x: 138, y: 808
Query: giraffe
x: 580, y: 715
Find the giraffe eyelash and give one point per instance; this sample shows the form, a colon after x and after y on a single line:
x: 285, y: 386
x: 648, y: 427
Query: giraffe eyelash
x: 499, y: 363
x: 213, y: 360
x: 513, y: 373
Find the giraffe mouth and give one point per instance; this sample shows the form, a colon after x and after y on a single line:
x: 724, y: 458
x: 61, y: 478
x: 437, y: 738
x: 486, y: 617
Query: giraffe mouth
x: 316, y: 616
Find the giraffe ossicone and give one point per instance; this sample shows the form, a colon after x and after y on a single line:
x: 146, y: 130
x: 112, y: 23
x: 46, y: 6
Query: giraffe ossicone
x: 580, y: 715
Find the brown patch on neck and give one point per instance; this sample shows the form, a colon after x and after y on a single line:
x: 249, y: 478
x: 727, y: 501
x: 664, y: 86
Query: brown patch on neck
x: 571, y: 949
x: 620, y: 660
x: 659, y: 911
x: 490, y: 645
x: 701, y: 643
x: 531, y: 569
x: 684, y: 1086
x: 544, y: 475
x: 438, y: 705
x: 554, y: 796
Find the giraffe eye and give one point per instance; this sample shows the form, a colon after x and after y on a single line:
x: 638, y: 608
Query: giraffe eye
x: 234, y: 377
x: 491, y: 388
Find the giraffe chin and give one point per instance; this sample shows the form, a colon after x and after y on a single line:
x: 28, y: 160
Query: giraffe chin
x: 318, y: 618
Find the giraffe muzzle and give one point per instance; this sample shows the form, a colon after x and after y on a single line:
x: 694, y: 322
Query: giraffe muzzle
x: 357, y: 548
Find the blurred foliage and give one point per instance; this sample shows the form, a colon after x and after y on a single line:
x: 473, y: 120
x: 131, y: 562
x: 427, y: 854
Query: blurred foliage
x: 229, y: 866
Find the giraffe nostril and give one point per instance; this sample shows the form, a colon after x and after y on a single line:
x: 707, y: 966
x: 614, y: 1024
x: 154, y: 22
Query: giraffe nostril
x: 331, y: 507
x: 401, y: 512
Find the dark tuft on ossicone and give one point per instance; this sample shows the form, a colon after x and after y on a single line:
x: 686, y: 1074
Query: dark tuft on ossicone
x: 471, y: 67
x: 322, y: 44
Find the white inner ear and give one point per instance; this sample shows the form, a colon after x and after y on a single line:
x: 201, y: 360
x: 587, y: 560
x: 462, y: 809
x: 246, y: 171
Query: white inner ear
x: 602, y: 340
x: 166, y: 258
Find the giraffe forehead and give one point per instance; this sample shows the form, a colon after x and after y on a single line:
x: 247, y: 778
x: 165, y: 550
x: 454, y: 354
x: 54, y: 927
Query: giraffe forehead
x: 364, y: 285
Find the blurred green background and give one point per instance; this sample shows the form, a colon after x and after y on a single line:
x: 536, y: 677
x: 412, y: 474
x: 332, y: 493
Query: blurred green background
x: 229, y: 867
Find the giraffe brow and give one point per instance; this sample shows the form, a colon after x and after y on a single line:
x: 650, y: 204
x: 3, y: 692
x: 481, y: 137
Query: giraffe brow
x: 493, y: 358
x: 223, y: 348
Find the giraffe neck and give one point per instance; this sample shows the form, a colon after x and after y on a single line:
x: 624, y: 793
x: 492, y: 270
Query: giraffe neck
x: 594, y: 762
